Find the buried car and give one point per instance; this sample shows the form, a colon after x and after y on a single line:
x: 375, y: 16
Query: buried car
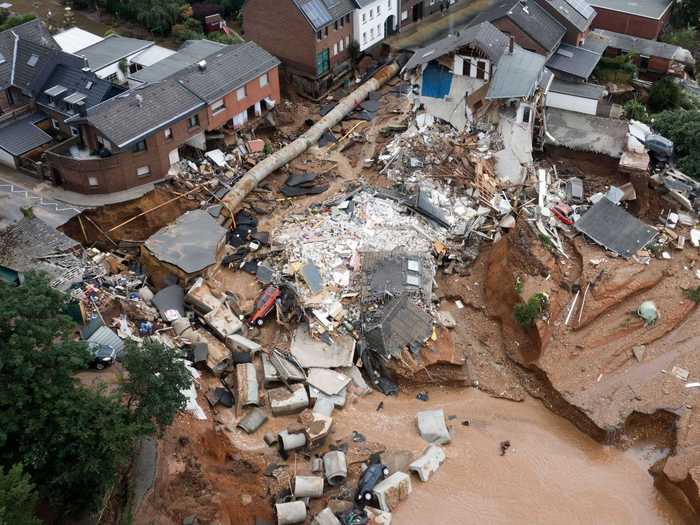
x: 372, y: 475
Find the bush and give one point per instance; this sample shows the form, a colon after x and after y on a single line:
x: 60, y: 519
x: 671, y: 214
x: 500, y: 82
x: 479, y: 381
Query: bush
x: 693, y: 294
x: 635, y: 110
x: 664, y: 95
x: 620, y: 69
x: 527, y: 313
x: 15, y: 20
x: 687, y: 38
x: 18, y: 498
x: 683, y: 128
x: 222, y: 38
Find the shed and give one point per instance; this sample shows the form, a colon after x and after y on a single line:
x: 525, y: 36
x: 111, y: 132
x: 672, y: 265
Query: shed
x: 581, y: 98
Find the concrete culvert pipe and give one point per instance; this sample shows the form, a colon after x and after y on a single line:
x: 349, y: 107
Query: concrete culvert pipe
x: 335, y: 467
x: 287, y: 441
x: 308, y: 486
x: 290, y: 513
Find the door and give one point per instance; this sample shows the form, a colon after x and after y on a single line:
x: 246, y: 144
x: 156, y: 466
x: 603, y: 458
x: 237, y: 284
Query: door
x: 323, y: 62
x: 418, y: 11
x: 174, y: 156
x: 389, y: 26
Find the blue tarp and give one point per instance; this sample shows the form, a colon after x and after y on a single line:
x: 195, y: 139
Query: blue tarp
x: 437, y: 81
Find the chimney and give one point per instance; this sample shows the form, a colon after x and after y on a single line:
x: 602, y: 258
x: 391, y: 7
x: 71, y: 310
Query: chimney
x: 511, y: 43
x: 139, y: 100
x: 202, y: 64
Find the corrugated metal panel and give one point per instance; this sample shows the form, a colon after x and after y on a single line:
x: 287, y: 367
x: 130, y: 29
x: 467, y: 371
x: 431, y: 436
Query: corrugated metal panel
x: 106, y: 337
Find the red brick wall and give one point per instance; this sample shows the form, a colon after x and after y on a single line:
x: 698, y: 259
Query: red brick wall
x: 254, y: 94
x: 279, y: 27
x: 521, y: 38
x: 629, y: 24
x: 118, y: 172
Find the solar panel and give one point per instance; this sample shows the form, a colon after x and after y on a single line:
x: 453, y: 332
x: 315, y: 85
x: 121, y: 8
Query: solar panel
x: 583, y: 8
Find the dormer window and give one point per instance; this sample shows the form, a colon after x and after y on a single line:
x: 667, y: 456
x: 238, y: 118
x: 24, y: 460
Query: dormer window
x: 89, y: 84
x: 54, y: 93
x: 33, y: 60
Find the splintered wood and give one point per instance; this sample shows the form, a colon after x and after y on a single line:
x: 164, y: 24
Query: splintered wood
x: 484, y: 180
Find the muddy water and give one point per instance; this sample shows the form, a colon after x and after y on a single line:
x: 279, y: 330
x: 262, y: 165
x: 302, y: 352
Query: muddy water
x: 552, y: 474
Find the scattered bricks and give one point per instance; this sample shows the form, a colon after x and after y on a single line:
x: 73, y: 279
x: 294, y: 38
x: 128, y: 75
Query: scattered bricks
x: 283, y: 402
x: 325, y: 517
x: 428, y: 462
x: 392, y: 490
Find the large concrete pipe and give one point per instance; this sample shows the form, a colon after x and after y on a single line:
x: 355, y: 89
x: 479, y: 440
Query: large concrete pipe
x: 276, y: 160
x: 308, y: 486
x: 288, y: 442
x: 336, y: 467
x: 290, y: 513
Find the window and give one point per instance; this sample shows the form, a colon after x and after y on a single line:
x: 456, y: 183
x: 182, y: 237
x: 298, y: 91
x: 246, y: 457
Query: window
x: 347, y: 19
x: 33, y: 60
x: 371, y: 14
x: 342, y: 21
x: 54, y: 124
x: 104, y: 143
x: 92, y: 181
x: 193, y: 121
x: 168, y: 133
x: 264, y: 80
x: 388, y: 4
x: 241, y: 93
x: 379, y: 30
x: 335, y: 49
x: 335, y: 25
x: 371, y: 33
x: 325, y: 31
x: 340, y: 45
x: 404, y: 15
x: 89, y: 84
x: 643, y: 62
x: 143, y: 171
x: 379, y: 10
x: 364, y: 37
x: 364, y: 17
x: 319, y: 35
x: 113, y: 78
x: 140, y: 146
x: 218, y: 106
x: 74, y: 131
x: 347, y: 41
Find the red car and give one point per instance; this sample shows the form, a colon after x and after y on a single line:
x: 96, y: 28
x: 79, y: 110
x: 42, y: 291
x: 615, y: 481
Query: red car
x: 563, y: 213
x: 264, y: 305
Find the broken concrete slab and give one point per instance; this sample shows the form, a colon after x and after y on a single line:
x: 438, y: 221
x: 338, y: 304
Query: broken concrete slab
x: 391, y: 491
x: 223, y: 322
x: 200, y: 297
x: 238, y: 343
x: 311, y: 352
x: 282, y: 402
x: 325, y: 517
x: 170, y: 302
x: 317, y: 429
x: 253, y: 420
x: 327, y: 381
x: 445, y: 319
x: 247, y: 383
x: 287, y: 371
x: 429, y: 462
x: 338, y: 400
x: 312, y: 277
x: 270, y: 374
x: 358, y: 384
x: 324, y: 406
x: 432, y: 426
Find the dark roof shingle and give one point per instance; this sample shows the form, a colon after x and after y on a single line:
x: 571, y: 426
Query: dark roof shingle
x: 112, y: 49
x: 320, y: 13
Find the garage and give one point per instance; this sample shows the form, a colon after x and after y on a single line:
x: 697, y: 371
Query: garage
x: 581, y: 98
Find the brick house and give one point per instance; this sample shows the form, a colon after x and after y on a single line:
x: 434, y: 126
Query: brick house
x: 310, y: 37
x: 643, y: 19
x: 532, y: 27
x: 413, y: 11
x: 575, y: 15
x: 135, y: 138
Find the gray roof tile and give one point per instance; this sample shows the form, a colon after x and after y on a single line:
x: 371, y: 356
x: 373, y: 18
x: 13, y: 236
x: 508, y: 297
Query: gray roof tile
x: 20, y: 136
x: 654, y: 9
x: 577, y: 12
x: 227, y: 70
x: 320, y: 13
x: 530, y: 17
x: 517, y: 75
x: 124, y: 120
x: 191, y: 52
x: 573, y: 60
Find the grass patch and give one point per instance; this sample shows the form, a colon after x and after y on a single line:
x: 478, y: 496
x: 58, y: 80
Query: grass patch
x: 525, y: 314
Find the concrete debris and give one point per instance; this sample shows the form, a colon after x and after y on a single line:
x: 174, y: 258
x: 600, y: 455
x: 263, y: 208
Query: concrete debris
x: 335, y: 467
x: 428, y: 463
x: 392, y: 490
x: 308, y: 486
x: 247, y: 382
x: 312, y: 352
x: 283, y: 402
x: 325, y: 517
x: 327, y: 381
x: 432, y: 426
x: 253, y: 420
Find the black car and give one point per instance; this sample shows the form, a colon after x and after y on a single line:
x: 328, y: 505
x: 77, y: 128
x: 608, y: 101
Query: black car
x: 102, y: 355
x: 372, y: 475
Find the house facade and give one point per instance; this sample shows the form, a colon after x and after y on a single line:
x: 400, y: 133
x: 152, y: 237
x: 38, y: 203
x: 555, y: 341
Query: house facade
x: 575, y: 15
x: 413, y: 11
x: 374, y: 20
x: 643, y: 19
x: 314, y: 45
x: 135, y: 138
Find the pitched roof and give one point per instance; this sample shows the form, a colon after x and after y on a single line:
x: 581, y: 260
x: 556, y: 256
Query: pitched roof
x: 577, y: 89
x: 189, y: 53
x: 137, y: 113
x: 646, y: 47
x: 227, y: 70
x: 35, y: 31
x: 320, y: 13
x: 73, y: 81
x: 530, y: 17
x: 485, y: 36
x: 517, y: 75
x: 20, y: 136
x: 112, y: 49
x: 25, y: 39
x: 578, y: 13
x: 573, y: 60
x: 152, y: 55
x: 654, y: 9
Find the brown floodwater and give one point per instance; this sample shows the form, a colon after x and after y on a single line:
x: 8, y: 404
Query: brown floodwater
x: 552, y: 474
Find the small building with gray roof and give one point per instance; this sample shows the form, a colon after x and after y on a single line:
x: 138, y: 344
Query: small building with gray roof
x: 642, y: 18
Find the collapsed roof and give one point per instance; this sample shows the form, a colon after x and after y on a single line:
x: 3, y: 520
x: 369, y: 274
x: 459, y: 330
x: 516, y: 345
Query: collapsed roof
x: 644, y: 46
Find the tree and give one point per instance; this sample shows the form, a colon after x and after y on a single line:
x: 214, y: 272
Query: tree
x: 686, y: 37
x: 686, y: 13
x: 527, y: 313
x: 18, y: 497
x: 222, y: 38
x: 683, y: 128
x: 665, y: 94
x: 635, y: 110
x: 154, y: 383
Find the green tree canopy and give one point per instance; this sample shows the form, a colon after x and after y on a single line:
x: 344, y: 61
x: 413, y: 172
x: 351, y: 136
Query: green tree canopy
x: 683, y: 128
x: 18, y: 498
x: 665, y: 94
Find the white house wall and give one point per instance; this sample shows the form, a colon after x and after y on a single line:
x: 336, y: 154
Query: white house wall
x: 6, y: 158
x: 372, y: 30
x: 473, y: 62
x: 571, y: 103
